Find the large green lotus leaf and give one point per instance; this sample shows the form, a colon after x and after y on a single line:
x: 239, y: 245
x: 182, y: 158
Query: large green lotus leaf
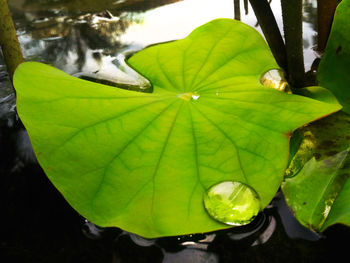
x: 333, y: 72
x: 143, y: 161
x: 317, y: 188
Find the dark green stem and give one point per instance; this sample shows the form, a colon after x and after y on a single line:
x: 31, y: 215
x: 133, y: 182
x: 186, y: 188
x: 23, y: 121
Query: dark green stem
x: 271, y: 31
x: 9, y: 43
x: 237, y: 8
x: 246, y: 9
x: 325, y: 14
x: 293, y: 34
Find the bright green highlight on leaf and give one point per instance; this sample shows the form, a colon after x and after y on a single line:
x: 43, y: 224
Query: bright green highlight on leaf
x: 318, y: 188
x: 333, y: 72
x: 143, y: 161
x: 232, y: 203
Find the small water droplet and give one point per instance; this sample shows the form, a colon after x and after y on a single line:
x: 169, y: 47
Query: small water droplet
x: 189, y: 96
x: 232, y: 203
x: 275, y: 79
x: 195, y: 96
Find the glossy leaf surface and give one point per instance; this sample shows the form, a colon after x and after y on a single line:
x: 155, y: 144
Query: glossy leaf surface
x: 333, y: 72
x: 317, y: 187
x: 142, y: 161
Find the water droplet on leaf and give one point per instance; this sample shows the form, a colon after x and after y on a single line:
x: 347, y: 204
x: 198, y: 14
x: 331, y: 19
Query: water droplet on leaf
x: 232, y: 203
x: 275, y: 79
x: 189, y: 96
x: 195, y: 96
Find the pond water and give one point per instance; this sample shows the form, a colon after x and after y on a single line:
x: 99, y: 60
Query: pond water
x: 86, y: 38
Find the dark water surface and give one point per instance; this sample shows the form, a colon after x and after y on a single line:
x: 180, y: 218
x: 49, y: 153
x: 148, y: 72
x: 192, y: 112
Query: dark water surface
x: 37, y: 225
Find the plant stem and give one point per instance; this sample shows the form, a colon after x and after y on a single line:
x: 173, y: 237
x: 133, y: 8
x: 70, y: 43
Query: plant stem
x: 293, y: 34
x: 9, y: 43
x: 246, y: 8
x: 237, y: 8
x: 325, y: 14
x: 271, y: 31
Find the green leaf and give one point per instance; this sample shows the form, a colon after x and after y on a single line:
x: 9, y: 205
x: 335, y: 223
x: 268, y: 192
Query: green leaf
x: 318, y: 188
x: 340, y: 211
x: 333, y: 72
x: 143, y: 162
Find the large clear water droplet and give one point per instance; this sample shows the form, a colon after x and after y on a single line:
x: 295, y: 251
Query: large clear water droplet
x: 232, y: 203
x: 275, y: 79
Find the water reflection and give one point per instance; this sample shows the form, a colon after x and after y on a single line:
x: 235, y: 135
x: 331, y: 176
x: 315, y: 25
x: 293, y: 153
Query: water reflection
x: 140, y: 241
x: 92, y: 231
x: 16, y: 152
x: 123, y: 76
x: 89, y: 6
x: 257, y: 226
x: 293, y: 228
x: 80, y: 44
x: 191, y: 255
x: 310, y: 32
x: 5, y: 83
x: 248, y: 243
x: 76, y: 37
x: 199, y: 248
x: 79, y: 37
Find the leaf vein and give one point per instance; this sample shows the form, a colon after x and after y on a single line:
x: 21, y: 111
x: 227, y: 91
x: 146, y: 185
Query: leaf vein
x: 161, y: 157
x: 208, y: 55
x: 231, y: 140
x: 198, y: 181
x: 108, y: 165
x: 100, y: 122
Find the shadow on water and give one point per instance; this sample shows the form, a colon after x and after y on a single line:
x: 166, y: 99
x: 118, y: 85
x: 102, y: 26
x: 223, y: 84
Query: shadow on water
x: 37, y: 223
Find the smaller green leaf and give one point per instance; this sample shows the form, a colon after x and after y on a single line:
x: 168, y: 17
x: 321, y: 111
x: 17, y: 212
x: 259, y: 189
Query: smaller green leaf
x: 317, y: 188
x: 317, y: 93
x: 333, y: 71
x: 340, y: 212
x: 301, y: 142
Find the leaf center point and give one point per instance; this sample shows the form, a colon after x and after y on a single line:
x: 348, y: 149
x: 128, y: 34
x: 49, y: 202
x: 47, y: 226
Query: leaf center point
x: 189, y: 96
